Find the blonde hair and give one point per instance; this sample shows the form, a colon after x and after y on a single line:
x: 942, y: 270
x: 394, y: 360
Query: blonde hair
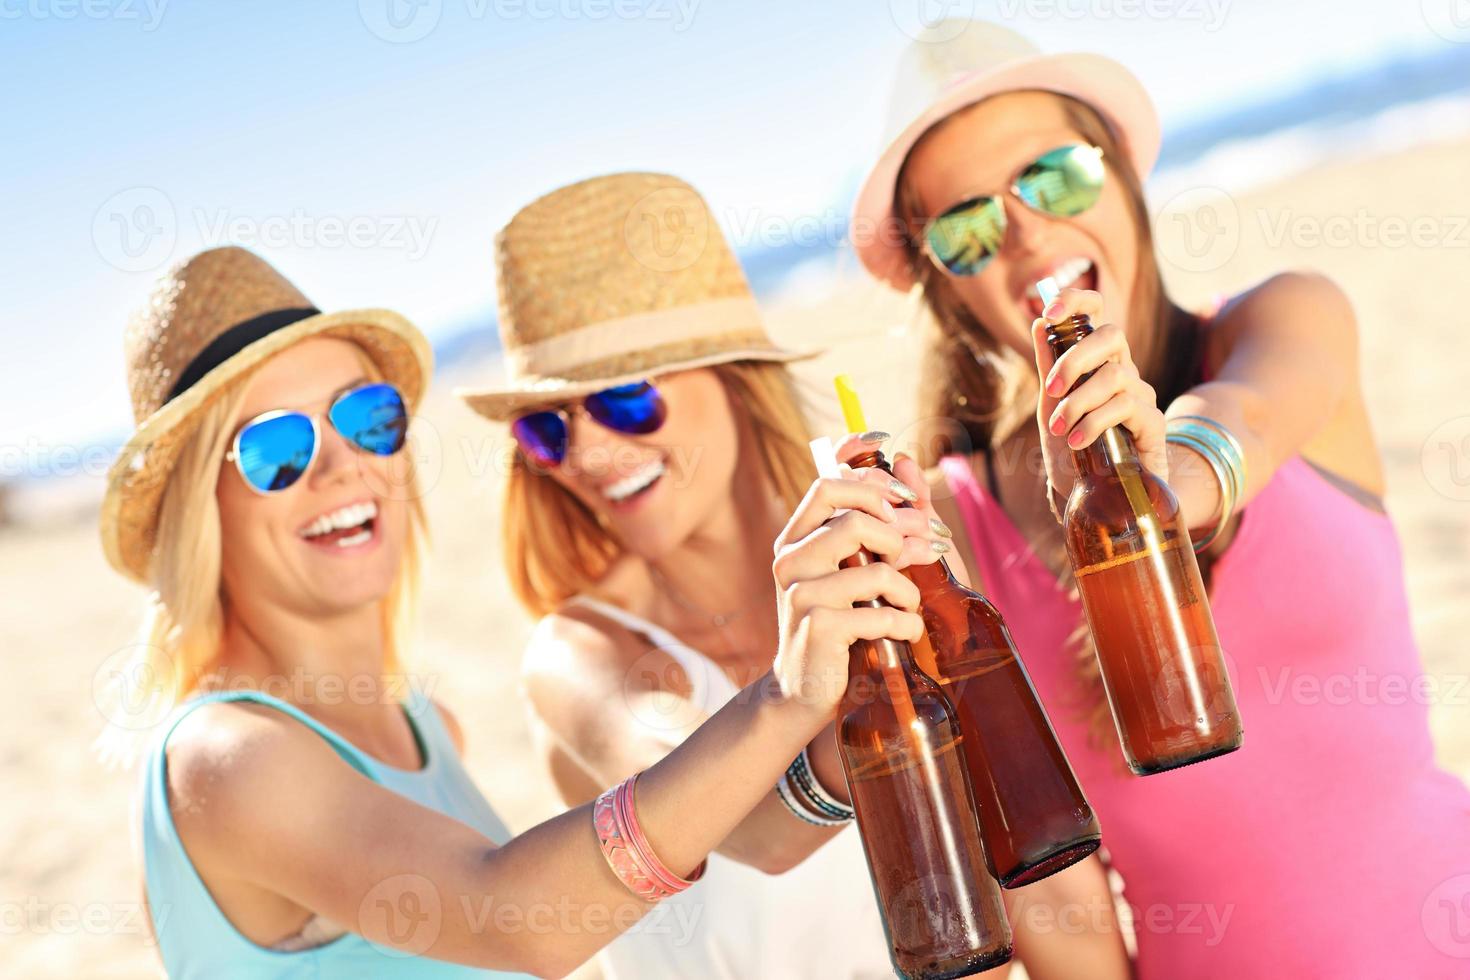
x: 554, y: 547
x: 178, y: 643
x: 968, y: 377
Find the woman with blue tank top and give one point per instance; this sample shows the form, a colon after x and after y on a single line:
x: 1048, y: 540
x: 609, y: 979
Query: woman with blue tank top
x: 304, y: 811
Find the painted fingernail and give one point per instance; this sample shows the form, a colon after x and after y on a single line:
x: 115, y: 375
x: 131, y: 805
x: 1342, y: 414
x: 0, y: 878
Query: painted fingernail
x: 940, y: 528
x: 1054, y: 311
x: 874, y: 435
x: 1054, y: 385
x: 1075, y: 440
x: 903, y: 490
x: 1057, y: 426
x: 940, y: 547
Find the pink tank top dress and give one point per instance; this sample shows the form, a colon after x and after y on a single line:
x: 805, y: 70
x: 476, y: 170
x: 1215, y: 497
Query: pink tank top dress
x: 1330, y: 845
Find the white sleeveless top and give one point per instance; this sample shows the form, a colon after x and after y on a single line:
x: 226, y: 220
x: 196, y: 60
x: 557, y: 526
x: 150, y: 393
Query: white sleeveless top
x: 820, y: 919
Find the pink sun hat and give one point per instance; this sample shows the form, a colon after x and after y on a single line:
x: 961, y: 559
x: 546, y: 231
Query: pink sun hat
x: 956, y: 63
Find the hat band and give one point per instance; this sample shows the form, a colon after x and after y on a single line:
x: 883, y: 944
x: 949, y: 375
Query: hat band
x: 595, y: 342
x: 233, y: 340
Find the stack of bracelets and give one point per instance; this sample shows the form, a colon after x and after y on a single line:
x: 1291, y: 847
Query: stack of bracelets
x: 627, y: 850
x: 1222, y: 451
x: 804, y: 796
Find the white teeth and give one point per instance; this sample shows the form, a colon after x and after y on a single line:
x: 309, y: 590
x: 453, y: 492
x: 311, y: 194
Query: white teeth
x: 1065, y: 274
x: 631, y: 484
x: 350, y: 516
x: 359, y: 538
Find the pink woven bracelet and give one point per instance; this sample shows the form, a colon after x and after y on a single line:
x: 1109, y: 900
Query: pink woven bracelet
x: 627, y: 850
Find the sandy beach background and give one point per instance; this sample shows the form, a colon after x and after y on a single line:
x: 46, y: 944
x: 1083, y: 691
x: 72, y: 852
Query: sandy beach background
x: 68, y: 881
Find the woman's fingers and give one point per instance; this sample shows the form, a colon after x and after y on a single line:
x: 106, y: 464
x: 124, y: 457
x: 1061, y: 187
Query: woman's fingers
x: 847, y: 586
x: 820, y: 552
x: 1105, y: 345
x: 826, y: 497
x: 1070, y: 302
x: 847, y: 626
x: 1106, y: 382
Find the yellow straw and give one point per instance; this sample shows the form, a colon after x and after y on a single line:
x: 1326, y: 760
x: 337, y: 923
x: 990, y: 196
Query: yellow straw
x: 852, y: 407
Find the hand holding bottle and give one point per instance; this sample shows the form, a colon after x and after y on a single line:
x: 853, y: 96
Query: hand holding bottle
x: 1112, y: 394
x: 815, y: 596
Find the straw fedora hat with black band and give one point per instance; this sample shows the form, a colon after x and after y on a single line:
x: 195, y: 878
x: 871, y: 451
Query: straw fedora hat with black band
x: 209, y: 322
x: 956, y: 63
x: 613, y: 280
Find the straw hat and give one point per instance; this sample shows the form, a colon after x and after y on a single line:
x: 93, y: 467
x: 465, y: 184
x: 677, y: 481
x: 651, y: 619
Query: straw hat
x: 209, y: 322
x: 613, y: 280
x: 957, y: 63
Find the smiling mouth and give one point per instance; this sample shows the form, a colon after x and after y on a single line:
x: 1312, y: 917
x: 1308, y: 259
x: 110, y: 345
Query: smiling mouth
x: 635, y: 484
x: 1079, y: 273
x: 345, y: 527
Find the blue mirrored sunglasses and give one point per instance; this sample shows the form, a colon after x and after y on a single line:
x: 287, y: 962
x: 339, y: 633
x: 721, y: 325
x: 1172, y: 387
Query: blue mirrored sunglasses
x: 633, y: 409
x: 274, y: 449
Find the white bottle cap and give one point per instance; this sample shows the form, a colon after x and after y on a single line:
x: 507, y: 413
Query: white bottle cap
x: 1048, y: 290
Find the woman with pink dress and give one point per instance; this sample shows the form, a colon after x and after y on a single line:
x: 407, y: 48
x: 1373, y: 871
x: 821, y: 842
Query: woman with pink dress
x: 1330, y: 844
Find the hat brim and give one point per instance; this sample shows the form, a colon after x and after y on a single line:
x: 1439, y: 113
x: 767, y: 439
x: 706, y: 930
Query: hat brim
x: 500, y: 404
x: 137, y: 480
x: 1098, y: 81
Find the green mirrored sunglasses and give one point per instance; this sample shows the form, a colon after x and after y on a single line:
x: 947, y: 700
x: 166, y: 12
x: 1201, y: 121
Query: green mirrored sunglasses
x: 1062, y: 183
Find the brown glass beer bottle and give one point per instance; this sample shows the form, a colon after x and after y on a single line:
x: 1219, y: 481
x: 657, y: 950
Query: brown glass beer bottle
x: 900, y: 748
x: 1033, y: 812
x: 1160, y: 658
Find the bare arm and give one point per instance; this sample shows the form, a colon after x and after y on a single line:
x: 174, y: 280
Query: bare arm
x: 1067, y: 926
x: 1290, y: 358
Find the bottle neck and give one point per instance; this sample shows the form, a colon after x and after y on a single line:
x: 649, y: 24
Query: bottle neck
x: 1112, y: 450
x: 876, y: 656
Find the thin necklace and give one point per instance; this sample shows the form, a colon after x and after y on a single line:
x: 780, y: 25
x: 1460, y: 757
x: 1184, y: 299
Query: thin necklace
x: 719, y: 620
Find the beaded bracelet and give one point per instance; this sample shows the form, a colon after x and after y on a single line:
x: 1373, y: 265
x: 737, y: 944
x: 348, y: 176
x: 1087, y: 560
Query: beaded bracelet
x: 627, y: 850
x: 806, y: 780
x: 805, y: 798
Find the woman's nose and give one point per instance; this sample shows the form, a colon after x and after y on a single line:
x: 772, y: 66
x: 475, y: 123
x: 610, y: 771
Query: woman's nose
x: 336, y: 458
x: 592, y: 449
x: 1025, y: 229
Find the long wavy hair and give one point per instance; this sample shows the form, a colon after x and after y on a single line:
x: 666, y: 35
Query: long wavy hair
x: 554, y: 546
x: 178, y: 644
x: 975, y: 392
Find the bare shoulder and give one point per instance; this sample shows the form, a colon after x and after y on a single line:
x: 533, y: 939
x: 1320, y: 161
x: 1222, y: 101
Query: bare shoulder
x: 232, y: 763
x: 1298, y: 302
x: 573, y: 656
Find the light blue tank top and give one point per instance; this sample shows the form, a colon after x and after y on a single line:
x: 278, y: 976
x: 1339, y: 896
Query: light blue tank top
x: 194, y: 937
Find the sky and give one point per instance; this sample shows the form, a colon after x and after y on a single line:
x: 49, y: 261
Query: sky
x: 370, y: 148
